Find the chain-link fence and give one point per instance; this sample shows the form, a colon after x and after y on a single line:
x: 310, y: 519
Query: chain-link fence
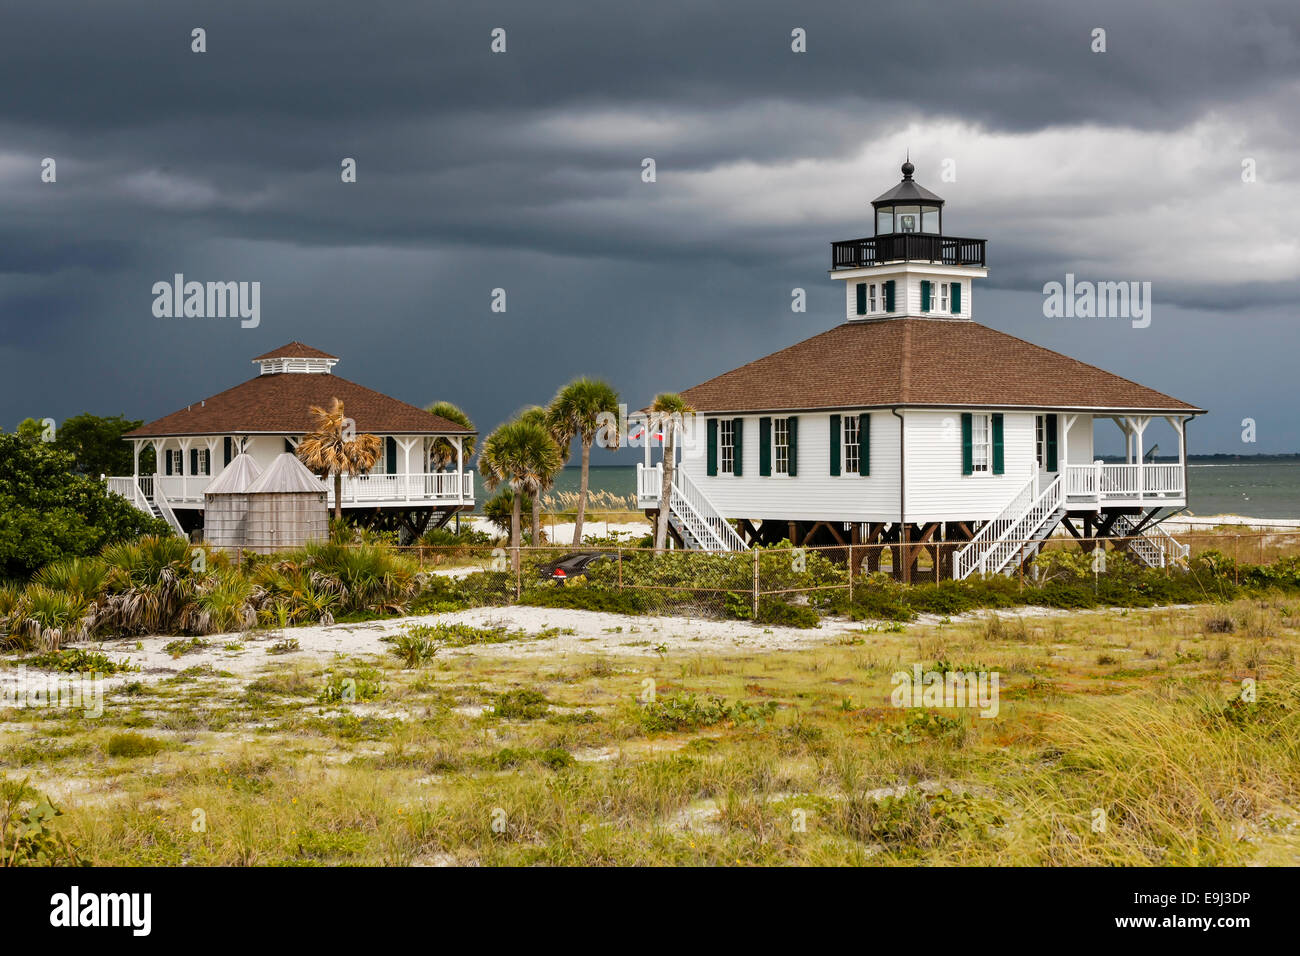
x: 773, y: 584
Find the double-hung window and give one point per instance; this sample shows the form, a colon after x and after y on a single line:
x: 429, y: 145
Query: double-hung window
x: 727, y: 446
x: 781, y: 445
x: 852, y: 445
x: 871, y: 298
x: 943, y: 297
x: 981, y: 444
x: 1040, y: 439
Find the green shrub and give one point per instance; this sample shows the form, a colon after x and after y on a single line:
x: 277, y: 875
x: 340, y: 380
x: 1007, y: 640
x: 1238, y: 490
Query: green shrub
x: 678, y: 712
x: 77, y: 661
x: 350, y: 689
x: 132, y: 745
x: 521, y: 705
x: 27, y: 835
x: 556, y: 758
x: 414, y: 649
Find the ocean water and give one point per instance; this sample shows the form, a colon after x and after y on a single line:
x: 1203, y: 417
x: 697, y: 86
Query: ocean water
x: 1254, y: 489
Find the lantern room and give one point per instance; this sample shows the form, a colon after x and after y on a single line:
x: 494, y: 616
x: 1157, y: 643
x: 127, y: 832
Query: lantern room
x: 908, y: 208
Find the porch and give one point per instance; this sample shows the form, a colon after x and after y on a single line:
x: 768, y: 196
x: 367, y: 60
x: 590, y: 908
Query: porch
x: 1100, y: 485
x: 363, y: 491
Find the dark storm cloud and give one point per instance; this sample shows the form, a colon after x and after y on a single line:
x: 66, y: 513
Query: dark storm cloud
x: 522, y: 171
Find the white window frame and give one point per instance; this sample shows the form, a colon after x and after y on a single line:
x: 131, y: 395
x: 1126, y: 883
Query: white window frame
x: 1040, y: 440
x: 726, y: 446
x: 177, y: 463
x: 850, y: 463
x: 943, y: 297
x: 204, y: 462
x: 781, y: 446
x: 981, y: 443
x: 871, y: 298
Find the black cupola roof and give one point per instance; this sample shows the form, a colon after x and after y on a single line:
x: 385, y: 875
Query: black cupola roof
x: 907, y: 191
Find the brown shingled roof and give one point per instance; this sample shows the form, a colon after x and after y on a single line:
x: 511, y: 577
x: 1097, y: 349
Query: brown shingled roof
x: 278, y: 404
x: 922, y: 362
x: 295, y: 350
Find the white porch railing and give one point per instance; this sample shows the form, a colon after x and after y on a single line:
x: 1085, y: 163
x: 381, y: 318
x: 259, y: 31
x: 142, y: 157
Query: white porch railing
x: 1105, y: 483
x: 447, y: 487
x: 649, y: 485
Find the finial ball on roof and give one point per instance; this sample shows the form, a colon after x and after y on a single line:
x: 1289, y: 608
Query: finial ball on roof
x: 908, y: 169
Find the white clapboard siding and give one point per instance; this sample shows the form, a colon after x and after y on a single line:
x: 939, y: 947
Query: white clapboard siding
x: 936, y: 488
x: 813, y: 494
x: 1077, y: 445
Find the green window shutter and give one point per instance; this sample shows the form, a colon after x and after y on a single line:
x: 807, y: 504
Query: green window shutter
x: 955, y: 296
x: 194, y: 461
x: 889, y: 296
x: 226, y: 450
x: 925, y: 295
x: 765, y: 447
x: 967, y: 454
x: 711, y: 463
x: 738, y: 440
x: 835, y: 444
x: 288, y: 446
x: 862, y: 298
x: 1051, y: 443
x: 390, y: 447
x: 864, y: 444
x: 167, y: 462
x: 793, y: 424
x: 997, y: 445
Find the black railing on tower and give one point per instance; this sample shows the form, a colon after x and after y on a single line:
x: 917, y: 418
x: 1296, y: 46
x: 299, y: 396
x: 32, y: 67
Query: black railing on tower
x: 907, y: 247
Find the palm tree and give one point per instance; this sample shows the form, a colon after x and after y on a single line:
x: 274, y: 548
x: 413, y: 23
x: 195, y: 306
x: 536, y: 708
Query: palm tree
x: 539, y: 416
x: 518, y: 454
x: 333, y: 449
x: 580, y: 410
x: 442, y: 452
x: 667, y: 412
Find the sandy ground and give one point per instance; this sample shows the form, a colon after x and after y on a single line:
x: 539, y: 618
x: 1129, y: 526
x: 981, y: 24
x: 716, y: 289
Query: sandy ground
x: 1209, y: 522
x: 580, y: 633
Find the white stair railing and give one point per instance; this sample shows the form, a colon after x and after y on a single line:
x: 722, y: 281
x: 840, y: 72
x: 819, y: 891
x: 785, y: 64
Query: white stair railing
x: 1154, y: 546
x: 692, y: 507
x: 725, y: 535
x: 1005, y: 536
x: 160, y: 499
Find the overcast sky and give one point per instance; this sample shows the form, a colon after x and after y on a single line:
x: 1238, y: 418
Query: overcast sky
x: 522, y: 170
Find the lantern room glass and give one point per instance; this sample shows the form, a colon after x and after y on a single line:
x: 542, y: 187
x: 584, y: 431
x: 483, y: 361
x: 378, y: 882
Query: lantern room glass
x: 907, y: 219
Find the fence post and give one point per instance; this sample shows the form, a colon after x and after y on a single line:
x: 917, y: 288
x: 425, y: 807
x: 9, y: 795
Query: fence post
x: 756, y: 550
x: 519, y: 575
x: 850, y: 574
x: 620, y: 569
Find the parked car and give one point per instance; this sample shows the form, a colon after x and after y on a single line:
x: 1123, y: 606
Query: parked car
x: 573, y: 565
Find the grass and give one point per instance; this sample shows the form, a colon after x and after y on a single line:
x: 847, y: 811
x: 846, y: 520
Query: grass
x: 1145, y: 723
